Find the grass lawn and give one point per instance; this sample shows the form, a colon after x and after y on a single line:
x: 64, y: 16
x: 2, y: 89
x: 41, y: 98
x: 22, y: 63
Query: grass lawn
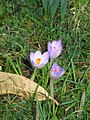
x: 25, y: 26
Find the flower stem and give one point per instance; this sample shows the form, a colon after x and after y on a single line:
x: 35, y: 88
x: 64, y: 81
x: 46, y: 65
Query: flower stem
x: 33, y: 75
x: 51, y: 83
x: 37, y: 113
x: 38, y: 117
x: 51, y: 62
x: 48, y: 74
x: 37, y: 108
x: 52, y: 87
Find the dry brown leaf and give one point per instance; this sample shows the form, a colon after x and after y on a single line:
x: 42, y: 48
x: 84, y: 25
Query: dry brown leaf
x: 21, y: 86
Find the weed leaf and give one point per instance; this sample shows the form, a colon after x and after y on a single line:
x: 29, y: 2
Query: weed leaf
x: 45, y: 4
x: 82, y: 100
x: 63, y: 8
x: 53, y: 6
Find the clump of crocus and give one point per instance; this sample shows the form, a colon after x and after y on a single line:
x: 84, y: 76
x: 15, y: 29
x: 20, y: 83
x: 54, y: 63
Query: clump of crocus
x: 38, y: 59
x: 56, y: 71
x: 55, y: 48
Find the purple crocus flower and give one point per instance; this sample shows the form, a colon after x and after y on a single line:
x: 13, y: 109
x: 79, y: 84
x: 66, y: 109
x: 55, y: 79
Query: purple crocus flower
x: 38, y: 59
x: 55, y: 48
x: 56, y: 71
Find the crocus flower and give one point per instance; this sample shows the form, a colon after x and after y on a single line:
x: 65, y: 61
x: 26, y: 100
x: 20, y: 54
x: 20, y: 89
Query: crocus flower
x: 56, y: 71
x: 38, y: 59
x: 54, y: 48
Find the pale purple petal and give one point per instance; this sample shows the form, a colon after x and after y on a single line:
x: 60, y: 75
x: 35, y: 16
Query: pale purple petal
x: 59, y: 44
x: 37, y: 66
x: 45, y: 58
x: 55, y: 65
x: 52, y: 75
x: 31, y: 56
x: 61, y: 72
x: 38, y: 54
x: 34, y: 64
x: 54, y: 54
x: 54, y: 43
x: 49, y: 46
x: 41, y: 65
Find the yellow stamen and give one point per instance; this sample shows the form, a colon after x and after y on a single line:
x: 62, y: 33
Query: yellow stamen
x: 38, y: 60
x: 55, y: 70
x: 54, y: 47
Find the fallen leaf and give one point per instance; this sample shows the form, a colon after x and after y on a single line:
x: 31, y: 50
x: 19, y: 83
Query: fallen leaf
x: 22, y: 86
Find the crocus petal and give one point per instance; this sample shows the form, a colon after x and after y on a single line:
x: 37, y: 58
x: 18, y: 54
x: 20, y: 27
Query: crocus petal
x: 31, y: 56
x: 45, y: 57
x: 60, y: 44
x: 49, y: 46
x: 41, y: 65
x: 54, y: 54
x: 61, y: 72
x: 54, y: 43
x: 55, y: 65
x: 38, y: 54
x: 37, y: 66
